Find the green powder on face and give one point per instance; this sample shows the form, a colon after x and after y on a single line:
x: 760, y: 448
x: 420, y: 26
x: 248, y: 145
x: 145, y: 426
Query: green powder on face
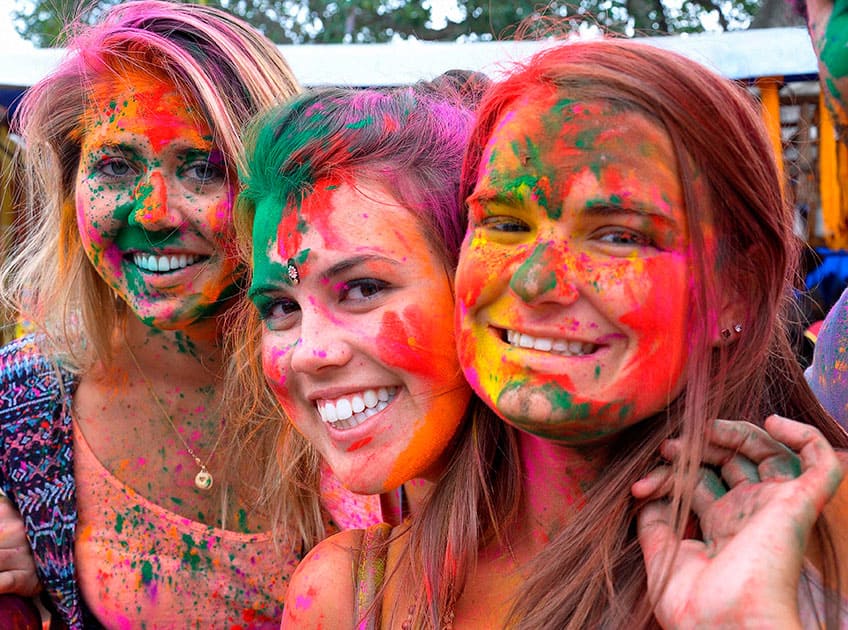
x: 534, y: 277
x: 146, y: 572
x: 562, y: 400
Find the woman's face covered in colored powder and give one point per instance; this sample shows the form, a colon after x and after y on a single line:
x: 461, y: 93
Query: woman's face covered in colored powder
x: 358, y: 343
x: 573, y: 282
x: 154, y: 209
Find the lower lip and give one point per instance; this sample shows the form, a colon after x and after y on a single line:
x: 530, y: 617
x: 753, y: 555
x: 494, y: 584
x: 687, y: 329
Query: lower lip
x: 361, y: 435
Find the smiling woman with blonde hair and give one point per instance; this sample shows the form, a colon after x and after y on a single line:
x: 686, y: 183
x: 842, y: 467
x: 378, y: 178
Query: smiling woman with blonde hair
x: 112, y: 418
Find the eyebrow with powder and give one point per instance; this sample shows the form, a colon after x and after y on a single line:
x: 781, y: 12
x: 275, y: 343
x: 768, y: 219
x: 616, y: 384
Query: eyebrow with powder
x: 607, y: 209
x: 124, y: 149
x: 349, y: 263
x: 492, y: 195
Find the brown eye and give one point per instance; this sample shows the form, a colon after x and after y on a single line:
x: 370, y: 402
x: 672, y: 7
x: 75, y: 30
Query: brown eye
x: 621, y: 236
x: 278, y: 314
x: 505, y: 224
x: 362, y: 289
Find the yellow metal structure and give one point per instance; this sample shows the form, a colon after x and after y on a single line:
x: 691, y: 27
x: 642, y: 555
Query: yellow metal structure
x: 770, y: 98
x: 833, y: 171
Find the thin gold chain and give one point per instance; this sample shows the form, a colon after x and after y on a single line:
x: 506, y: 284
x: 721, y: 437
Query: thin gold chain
x: 204, y: 470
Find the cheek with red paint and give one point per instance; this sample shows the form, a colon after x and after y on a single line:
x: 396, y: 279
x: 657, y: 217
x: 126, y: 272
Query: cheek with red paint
x: 414, y: 342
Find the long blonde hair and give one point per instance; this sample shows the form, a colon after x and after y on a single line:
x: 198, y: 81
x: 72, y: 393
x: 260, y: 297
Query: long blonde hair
x: 215, y: 60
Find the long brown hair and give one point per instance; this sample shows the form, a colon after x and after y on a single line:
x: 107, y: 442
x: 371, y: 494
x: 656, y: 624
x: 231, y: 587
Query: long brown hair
x: 412, y: 141
x: 590, y: 576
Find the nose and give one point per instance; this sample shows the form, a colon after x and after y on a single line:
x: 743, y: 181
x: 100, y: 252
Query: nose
x: 536, y: 280
x: 322, y: 344
x: 152, y: 210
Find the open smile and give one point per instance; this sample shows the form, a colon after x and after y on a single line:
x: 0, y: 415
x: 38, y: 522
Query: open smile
x: 563, y: 347
x: 347, y: 412
x: 165, y: 263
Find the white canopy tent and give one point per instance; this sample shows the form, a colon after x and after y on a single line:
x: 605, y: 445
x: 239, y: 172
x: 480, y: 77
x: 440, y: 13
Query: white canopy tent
x: 785, y: 52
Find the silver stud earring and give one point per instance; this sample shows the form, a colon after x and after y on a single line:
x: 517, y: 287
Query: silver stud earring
x: 725, y: 332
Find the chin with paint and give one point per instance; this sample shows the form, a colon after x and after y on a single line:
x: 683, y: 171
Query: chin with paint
x: 353, y: 248
x: 154, y: 201
x: 573, y: 287
x: 358, y: 345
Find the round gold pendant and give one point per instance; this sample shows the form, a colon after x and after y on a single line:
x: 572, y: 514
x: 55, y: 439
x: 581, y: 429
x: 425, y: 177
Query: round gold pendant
x: 203, y: 479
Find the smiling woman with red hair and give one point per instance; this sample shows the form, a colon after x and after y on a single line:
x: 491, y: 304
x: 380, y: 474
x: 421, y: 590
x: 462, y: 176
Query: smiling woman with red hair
x: 622, y: 285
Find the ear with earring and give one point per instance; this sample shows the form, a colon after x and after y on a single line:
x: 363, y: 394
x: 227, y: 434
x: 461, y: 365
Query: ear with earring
x: 726, y: 332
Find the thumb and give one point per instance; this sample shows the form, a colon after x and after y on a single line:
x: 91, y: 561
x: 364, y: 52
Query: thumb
x: 656, y: 536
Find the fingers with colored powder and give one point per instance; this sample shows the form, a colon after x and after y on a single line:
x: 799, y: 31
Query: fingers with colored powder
x: 755, y: 521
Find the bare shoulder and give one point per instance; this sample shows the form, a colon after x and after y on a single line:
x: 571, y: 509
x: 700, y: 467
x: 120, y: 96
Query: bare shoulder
x: 321, y: 592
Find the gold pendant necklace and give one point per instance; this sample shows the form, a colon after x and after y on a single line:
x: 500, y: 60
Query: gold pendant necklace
x: 203, y: 479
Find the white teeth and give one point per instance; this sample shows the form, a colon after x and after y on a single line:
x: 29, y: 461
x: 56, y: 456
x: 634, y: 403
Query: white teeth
x: 575, y: 347
x: 370, y: 398
x: 150, y: 262
x: 344, y: 409
x: 546, y: 344
x: 347, y: 412
x: 330, y: 413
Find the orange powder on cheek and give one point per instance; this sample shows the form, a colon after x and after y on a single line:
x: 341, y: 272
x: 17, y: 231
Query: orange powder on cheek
x: 422, y: 344
x: 431, y: 436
